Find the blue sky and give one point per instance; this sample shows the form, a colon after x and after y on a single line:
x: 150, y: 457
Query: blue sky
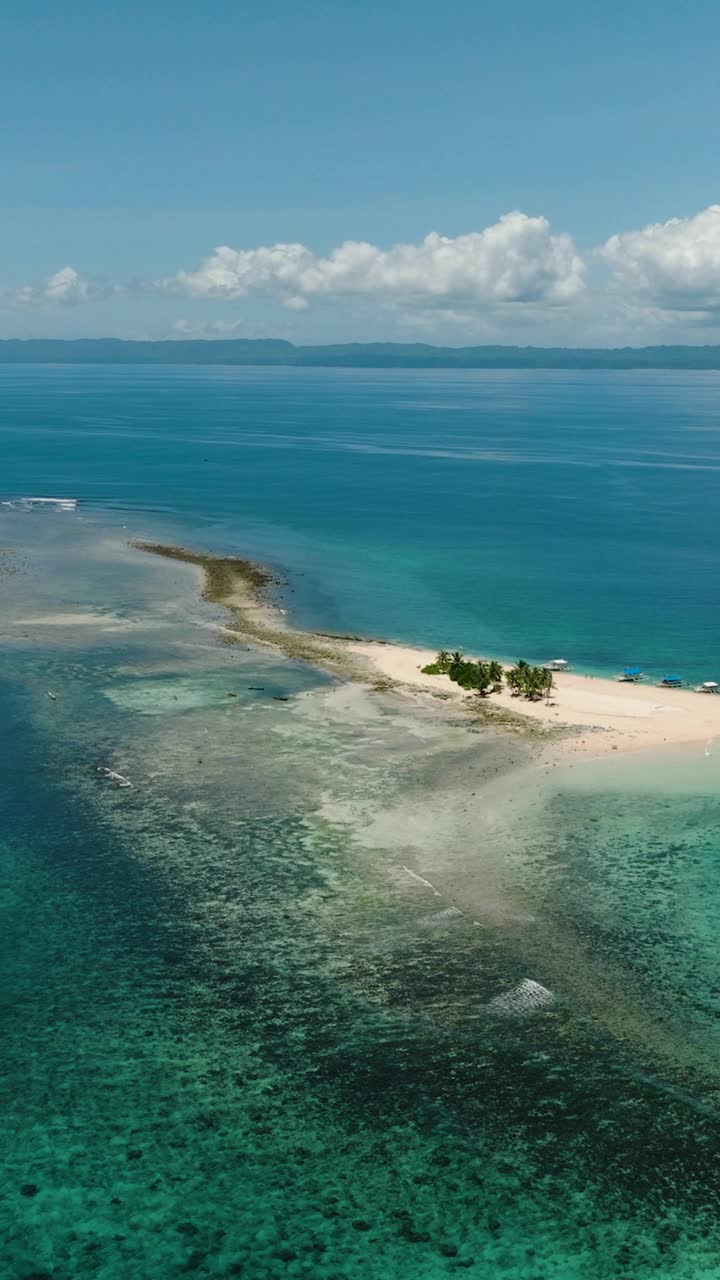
x: 138, y: 138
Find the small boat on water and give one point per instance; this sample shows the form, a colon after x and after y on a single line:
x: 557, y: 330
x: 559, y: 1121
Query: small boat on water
x: 631, y: 675
x: 708, y: 686
x: 556, y: 664
x: 671, y: 682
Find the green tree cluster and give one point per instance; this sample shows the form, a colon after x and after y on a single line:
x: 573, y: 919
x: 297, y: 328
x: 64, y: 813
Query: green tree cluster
x: 482, y: 677
x: 487, y: 677
x: 529, y: 682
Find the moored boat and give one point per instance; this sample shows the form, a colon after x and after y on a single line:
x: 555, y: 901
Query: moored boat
x: 631, y: 675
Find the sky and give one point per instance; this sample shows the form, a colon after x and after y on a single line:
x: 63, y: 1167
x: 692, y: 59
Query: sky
x: 538, y: 172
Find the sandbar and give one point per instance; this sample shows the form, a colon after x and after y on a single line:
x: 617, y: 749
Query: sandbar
x: 616, y: 716
x: 586, y: 714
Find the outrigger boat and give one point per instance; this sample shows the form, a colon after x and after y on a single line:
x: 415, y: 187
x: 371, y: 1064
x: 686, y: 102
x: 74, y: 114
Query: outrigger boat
x: 556, y: 664
x: 631, y: 675
x: 671, y: 682
x: 708, y: 686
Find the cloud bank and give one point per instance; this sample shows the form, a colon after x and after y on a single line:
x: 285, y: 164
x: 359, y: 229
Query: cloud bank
x: 516, y: 260
x: 517, y: 279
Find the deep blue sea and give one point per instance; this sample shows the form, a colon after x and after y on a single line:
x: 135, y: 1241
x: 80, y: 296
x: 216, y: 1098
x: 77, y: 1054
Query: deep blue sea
x: 531, y: 514
x: 340, y: 988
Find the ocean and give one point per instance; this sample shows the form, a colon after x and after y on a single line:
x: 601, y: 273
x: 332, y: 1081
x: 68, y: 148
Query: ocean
x: 339, y: 988
x: 524, y: 513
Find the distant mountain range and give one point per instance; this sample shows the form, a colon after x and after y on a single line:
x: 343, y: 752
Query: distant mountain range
x: 353, y: 355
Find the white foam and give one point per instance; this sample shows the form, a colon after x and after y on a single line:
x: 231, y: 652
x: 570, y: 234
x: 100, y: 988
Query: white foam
x: 444, y: 917
x: 59, y: 504
x: 527, y: 997
x: 421, y: 880
x: 116, y: 779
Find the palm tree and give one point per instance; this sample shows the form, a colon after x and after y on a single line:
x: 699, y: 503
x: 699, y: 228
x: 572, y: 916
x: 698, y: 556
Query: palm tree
x: 496, y: 674
x: 483, y: 678
x: 466, y: 675
x: 536, y: 682
x: 516, y: 678
x: 455, y: 666
x: 443, y: 660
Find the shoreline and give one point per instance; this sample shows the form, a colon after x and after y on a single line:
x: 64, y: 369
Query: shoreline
x: 613, y: 716
x: 591, y: 715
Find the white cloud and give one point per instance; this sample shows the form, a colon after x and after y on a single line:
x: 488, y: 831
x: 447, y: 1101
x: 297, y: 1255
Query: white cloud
x: 67, y: 287
x: 517, y: 260
x: 673, y: 266
x: 516, y: 280
x: 64, y: 288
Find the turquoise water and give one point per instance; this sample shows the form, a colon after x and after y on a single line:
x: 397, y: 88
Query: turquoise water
x: 238, y: 1036
x: 529, y: 513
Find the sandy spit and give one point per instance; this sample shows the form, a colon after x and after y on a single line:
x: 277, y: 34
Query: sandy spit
x: 585, y: 714
x: 617, y: 716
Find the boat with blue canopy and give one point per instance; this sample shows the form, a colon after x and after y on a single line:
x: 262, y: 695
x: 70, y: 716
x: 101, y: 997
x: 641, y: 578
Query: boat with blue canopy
x: 631, y: 675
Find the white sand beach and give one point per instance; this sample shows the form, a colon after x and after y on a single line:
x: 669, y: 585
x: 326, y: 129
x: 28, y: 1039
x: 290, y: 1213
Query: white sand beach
x: 615, y: 717
x: 622, y: 717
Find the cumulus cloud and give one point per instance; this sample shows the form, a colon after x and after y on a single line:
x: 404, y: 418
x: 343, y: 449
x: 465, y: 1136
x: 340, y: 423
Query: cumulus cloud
x: 67, y: 286
x: 673, y: 266
x: 517, y: 260
x: 515, y: 280
x: 64, y: 288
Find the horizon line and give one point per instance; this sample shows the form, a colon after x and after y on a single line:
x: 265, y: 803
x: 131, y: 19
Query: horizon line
x: 237, y: 352
x: 391, y: 344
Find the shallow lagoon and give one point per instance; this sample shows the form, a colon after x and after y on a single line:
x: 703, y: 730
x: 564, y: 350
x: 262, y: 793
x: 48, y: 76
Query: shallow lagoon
x: 240, y: 1039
